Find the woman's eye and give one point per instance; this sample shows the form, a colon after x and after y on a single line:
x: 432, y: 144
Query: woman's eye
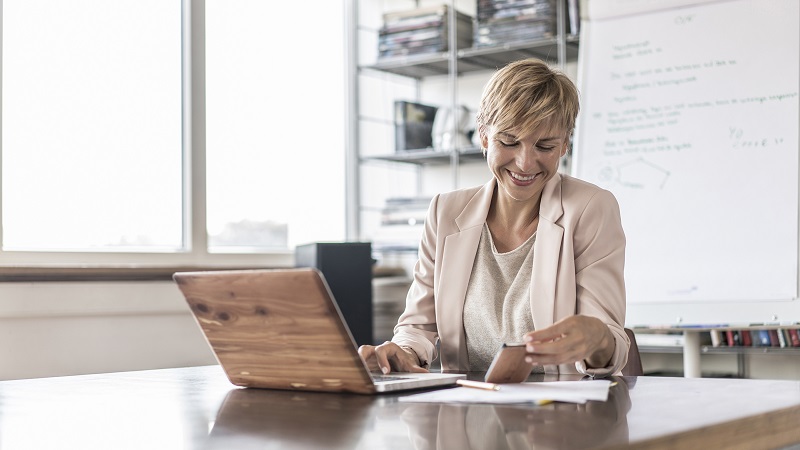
x: 507, y: 144
x: 545, y: 149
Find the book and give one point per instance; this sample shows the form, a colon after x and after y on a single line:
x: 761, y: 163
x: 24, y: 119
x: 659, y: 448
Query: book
x: 518, y: 14
x: 422, y: 30
x: 501, y: 22
x: 795, y: 337
x: 763, y: 338
x: 716, y: 338
x: 755, y: 338
x: 729, y: 337
x: 737, y: 338
x: 574, y: 17
x: 785, y: 340
x: 773, y: 338
x: 659, y: 340
x: 405, y: 211
x: 747, y: 339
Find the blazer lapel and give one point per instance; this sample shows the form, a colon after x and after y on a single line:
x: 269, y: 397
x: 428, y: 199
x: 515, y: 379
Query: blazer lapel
x: 546, y: 255
x: 458, y: 258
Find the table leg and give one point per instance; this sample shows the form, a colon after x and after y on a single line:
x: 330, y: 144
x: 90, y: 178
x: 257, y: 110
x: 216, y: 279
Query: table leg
x: 691, y: 354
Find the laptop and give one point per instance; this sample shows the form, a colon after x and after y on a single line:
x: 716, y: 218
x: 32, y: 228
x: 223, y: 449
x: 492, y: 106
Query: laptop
x: 282, y: 329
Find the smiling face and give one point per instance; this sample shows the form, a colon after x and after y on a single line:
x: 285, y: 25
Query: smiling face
x: 523, y: 162
x: 526, y: 115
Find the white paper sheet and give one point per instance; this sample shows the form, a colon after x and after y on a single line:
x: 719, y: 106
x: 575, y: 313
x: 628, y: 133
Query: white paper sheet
x: 557, y: 391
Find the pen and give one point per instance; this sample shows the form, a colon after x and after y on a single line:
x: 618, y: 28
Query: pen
x: 493, y: 387
x: 478, y: 385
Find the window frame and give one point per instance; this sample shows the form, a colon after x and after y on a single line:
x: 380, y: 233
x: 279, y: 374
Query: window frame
x: 195, y: 252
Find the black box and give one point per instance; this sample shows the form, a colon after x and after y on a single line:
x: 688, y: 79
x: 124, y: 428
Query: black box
x: 413, y: 126
x: 347, y: 267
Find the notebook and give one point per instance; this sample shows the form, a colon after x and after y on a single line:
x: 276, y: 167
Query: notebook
x: 282, y: 329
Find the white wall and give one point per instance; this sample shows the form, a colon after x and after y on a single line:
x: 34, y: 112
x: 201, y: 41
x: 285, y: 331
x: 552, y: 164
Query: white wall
x: 70, y: 328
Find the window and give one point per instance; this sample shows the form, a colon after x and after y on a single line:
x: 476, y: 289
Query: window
x: 275, y: 123
x: 91, y: 131
x: 96, y: 111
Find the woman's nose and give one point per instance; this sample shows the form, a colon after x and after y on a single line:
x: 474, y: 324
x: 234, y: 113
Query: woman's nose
x: 526, y: 159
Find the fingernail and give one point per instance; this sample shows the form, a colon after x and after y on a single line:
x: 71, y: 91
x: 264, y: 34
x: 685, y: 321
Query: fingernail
x: 385, y: 370
x: 529, y: 348
x: 528, y: 339
x: 528, y: 359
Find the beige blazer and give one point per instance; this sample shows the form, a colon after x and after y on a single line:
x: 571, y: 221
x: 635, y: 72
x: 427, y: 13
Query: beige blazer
x: 578, y: 262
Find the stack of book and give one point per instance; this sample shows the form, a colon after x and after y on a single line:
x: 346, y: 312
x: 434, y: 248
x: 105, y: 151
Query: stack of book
x: 421, y: 31
x: 660, y: 339
x: 783, y: 338
x: 405, y: 211
x: 401, y: 222
x: 505, y: 21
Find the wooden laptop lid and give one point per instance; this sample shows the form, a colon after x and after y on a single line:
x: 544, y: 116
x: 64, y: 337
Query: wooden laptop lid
x: 276, y: 329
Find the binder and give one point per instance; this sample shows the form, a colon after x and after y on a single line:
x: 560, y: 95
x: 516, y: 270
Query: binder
x: 413, y: 126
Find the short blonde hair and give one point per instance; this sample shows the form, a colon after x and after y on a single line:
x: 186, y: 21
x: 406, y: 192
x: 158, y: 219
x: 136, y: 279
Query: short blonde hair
x: 527, y: 94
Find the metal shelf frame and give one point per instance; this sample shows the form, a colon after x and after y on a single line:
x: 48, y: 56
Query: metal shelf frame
x: 453, y: 63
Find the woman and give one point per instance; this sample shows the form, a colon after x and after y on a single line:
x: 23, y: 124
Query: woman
x: 532, y: 256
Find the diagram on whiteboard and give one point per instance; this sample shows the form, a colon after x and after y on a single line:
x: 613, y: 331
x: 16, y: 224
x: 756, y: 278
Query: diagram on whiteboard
x: 636, y: 174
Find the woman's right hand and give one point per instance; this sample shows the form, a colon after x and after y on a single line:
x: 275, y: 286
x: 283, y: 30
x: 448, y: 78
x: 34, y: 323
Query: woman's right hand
x: 389, y: 357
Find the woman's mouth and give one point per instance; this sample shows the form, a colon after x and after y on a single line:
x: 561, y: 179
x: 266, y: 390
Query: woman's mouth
x: 521, y: 180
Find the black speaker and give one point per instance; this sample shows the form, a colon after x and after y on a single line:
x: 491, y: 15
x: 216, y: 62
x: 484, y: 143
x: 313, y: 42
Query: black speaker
x: 347, y: 267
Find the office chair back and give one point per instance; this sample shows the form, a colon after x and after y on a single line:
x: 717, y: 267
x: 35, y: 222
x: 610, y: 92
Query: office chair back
x: 634, y: 365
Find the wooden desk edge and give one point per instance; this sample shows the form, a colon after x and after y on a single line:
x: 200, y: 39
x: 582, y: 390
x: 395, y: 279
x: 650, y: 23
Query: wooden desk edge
x: 745, y: 433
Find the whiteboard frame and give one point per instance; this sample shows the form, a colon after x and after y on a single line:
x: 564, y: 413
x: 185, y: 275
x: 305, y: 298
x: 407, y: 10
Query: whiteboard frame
x: 689, y: 314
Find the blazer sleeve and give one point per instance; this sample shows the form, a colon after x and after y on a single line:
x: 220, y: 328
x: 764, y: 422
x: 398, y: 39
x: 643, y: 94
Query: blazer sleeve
x: 416, y: 327
x: 599, y: 246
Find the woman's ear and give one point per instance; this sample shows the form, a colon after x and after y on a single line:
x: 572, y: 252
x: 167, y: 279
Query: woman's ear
x: 565, y: 148
x: 484, y: 138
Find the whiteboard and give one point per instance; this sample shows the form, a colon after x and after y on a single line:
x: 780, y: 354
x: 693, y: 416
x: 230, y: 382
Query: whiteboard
x: 690, y: 117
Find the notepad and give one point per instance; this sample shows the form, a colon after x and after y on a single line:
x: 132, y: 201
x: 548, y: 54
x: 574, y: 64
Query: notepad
x: 531, y: 393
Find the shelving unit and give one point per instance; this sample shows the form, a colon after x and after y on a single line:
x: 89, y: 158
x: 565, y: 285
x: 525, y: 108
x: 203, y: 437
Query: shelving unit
x: 477, y: 59
x: 432, y: 157
x: 449, y: 79
x: 710, y: 350
x: 694, y: 348
x: 446, y: 79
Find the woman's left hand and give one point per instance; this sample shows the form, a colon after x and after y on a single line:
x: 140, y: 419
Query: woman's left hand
x: 575, y: 338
